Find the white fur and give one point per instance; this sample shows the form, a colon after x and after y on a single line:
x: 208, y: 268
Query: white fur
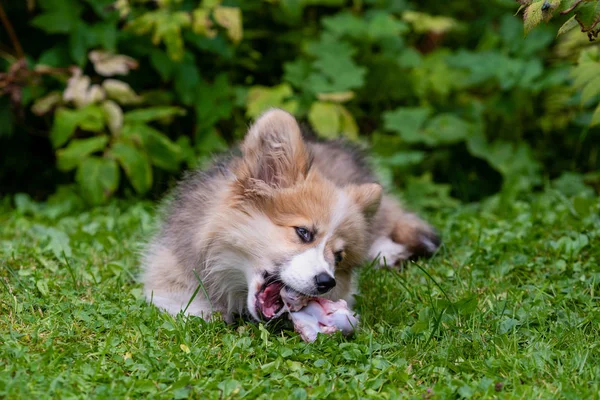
x: 176, y: 302
x: 226, y: 278
x: 388, y: 251
x: 301, y: 271
x: 339, y: 211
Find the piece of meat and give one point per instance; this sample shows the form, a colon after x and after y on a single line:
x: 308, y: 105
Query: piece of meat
x: 294, y: 301
x: 323, y: 316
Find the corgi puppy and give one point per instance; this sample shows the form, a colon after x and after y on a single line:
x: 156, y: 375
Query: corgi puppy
x: 287, y: 214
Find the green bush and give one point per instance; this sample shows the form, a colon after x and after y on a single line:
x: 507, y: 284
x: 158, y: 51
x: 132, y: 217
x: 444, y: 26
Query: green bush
x: 120, y: 96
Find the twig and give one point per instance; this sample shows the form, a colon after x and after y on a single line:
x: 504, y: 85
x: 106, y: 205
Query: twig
x: 11, y: 32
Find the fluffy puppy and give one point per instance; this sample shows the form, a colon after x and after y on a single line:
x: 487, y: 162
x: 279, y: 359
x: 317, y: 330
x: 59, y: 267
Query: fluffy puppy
x: 286, y: 213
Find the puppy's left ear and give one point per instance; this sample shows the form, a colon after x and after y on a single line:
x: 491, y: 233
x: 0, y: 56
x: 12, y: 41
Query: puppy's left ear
x: 274, y: 152
x: 367, y: 196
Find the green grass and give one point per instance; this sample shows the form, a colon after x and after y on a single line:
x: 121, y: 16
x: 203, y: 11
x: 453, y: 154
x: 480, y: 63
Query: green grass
x: 508, y: 308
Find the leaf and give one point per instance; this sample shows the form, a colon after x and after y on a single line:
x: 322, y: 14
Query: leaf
x: 56, y: 56
x: 80, y: 92
x: 465, y: 391
x: 108, y: 64
x: 60, y: 17
x: 230, y: 18
x: 79, y: 42
x: 153, y: 114
x: 64, y: 125
x: 334, y: 70
x: 104, y: 34
x: 135, y: 164
x: 507, y: 325
x: 120, y: 91
x: 339, y: 97
x: 567, y: 26
x: 587, y: 15
x: 404, y: 159
x: 383, y: 25
x: 446, y: 128
x: 425, y: 23
x: 587, y: 77
x: 66, y: 121
x: 491, y: 65
x: 162, y: 151
x: 44, y: 104
x: 212, y: 103
x: 596, y: 117
x: 419, y: 327
x: 202, y: 24
x: 592, y: 88
x: 297, y: 72
x: 59, y: 243
x: 510, y: 159
x: 585, y: 72
x: 407, y: 122
x: 330, y: 120
x: 533, y: 15
x: 92, y: 118
x: 113, y: 115
x: 165, y: 26
x: 466, y: 306
x: 348, y: 125
x: 261, y: 98
x: 42, y: 286
x: 184, y: 348
x: 162, y: 64
x: 98, y: 178
x: 428, y: 194
x: 324, y: 119
x: 77, y: 150
x: 186, y: 79
x: 346, y: 24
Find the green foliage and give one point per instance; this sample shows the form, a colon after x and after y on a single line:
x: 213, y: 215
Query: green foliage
x: 587, y: 78
x: 507, y: 309
x: 586, y: 13
x: 124, y: 138
x: 442, y: 101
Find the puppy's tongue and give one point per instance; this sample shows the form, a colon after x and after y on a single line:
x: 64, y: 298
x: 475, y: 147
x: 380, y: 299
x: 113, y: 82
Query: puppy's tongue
x: 269, y: 300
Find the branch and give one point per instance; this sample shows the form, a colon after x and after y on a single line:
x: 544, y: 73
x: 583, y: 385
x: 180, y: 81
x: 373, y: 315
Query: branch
x: 11, y: 32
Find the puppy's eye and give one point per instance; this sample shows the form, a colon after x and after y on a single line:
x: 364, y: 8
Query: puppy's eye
x: 339, y: 256
x: 304, y: 234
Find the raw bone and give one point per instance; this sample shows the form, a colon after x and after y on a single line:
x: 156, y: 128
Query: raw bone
x: 323, y: 316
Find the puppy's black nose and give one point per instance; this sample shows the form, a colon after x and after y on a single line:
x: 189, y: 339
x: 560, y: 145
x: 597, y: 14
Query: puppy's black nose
x: 324, y: 282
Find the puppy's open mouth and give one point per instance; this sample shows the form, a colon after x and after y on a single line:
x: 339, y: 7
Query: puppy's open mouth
x: 274, y: 295
x: 268, y: 299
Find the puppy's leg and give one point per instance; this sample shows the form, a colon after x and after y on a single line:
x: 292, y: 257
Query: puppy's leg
x: 176, y: 302
x: 399, y: 235
x: 166, y: 285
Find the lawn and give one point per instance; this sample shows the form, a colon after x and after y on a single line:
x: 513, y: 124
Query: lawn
x: 508, y: 308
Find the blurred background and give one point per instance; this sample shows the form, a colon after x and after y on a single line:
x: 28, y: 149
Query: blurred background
x: 107, y: 98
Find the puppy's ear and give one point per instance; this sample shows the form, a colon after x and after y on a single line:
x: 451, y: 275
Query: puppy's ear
x: 367, y: 196
x: 274, y: 152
